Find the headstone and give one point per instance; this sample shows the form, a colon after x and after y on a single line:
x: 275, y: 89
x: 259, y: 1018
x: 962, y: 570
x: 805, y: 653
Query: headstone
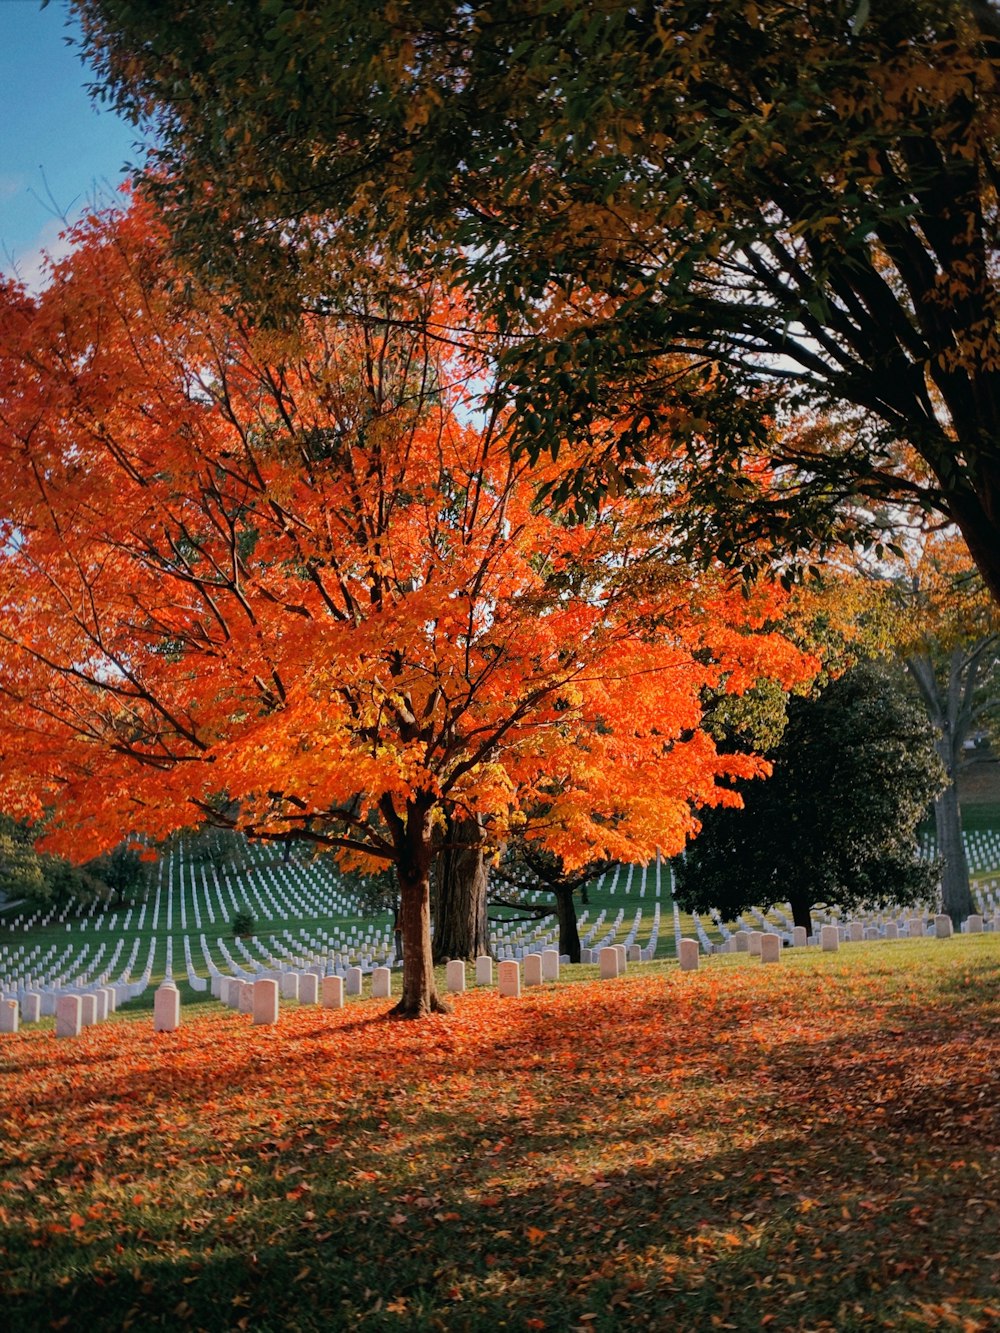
x: 88, y: 1010
x: 9, y: 1015
x: 871, y: 933
x: 688, y: 955
x: 622, y: 958
x: 455, y: 974
x: 509, y: 977
x: 741, y: 940
x: 332, y: 990
x: 533, y: 969
x: 753, y: 943
x: 800, y: 937
x: 166, y: 1008
x: 942, y: 926
x: 31, y: 1007
x: 68, y: 1020
x: 770, y: 948
x: 635, y: 953
x: 101, y: 998
x: 608, y: 959
x: 484, y: 970
x: 352, y: 985
x: 112, y: 995
x: 381, y: 983
x: 550, y: 964
x: 855, y: 932
x: 245, y: 998
x: 829, y: 938
x: 309, y: 988
x: 974, y: 925
x: 265, y: 1001
x: 586, y: 955
x: 916, y: 926
x: 216, y: 986
x: 891, y: 930
x: 290, y: 986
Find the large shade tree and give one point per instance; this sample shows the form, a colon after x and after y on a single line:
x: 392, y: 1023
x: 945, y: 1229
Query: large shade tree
x: 286, y: 581
x: 836, y: 822
x: 798, y: 194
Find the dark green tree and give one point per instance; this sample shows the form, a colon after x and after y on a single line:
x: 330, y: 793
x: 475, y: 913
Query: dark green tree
x: 799, y: 196
x: 528, y: 868
x: 854, y: 773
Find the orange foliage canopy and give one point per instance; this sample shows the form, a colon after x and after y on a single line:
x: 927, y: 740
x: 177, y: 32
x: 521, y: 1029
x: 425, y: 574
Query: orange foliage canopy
x: 296, y: 572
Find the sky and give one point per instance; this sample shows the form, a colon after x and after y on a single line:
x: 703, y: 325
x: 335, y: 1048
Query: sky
x: 58, y: 152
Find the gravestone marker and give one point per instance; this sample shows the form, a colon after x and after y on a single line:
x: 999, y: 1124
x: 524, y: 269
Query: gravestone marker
x: 455, y: 975
x: 353, y: 981
x: 9, y: 1015
x: 484, y: 970
x: 265, y: 1002
x: 550, y: 964
x: 688, y: 955
x: 800, y: 937
x: 942, y: 926
x: 381, y: 983
x: 309, y: 988
x: 770, y: 948
x: 68, y: 1019
x: 333, y: 992
x: 88, y: 1010
x: 608, y: 960
x: 829, y: 938
x: 290, y: 986
x: 509, y: 978
x: 166, y: 1008
x: 533, y: 969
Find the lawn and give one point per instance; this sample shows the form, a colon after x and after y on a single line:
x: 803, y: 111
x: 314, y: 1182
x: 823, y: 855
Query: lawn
x: 812, y: 1145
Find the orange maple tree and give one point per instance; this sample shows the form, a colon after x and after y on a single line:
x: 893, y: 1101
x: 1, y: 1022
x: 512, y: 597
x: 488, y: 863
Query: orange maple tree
x: 291, y: 581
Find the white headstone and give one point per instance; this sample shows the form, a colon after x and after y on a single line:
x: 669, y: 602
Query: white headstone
x: 9, y: 1015
x: 829, y: 938
x: 245, y: 1002
x: 634, y: 953
x: 101, y: 997
x: 800, y: 937
x: 942, y: 926
x: 455, y: 974
x: 532, y: 969
x: 290, y: 985
x: 916, y: 925
x: 484, y: 970
x: 88, y: 1009
x: 550, y: 964
x: 509, y: 977
x: 31, y: 1007
x: 68, y: 1020
x: 891, y: 930
x: 309, y: 988
x: 753, y: 943
x: 770, y: 948
x: 265, y: 1002
x: 688, y: 955
x: 352, y: 984
x: 333, y: 992
x: 742, y: 941
x: 166, y: 1008
x: 112, y: 995
x: 622, y: 958
x: 855, y: 932
x: 381, y: 983
x: 974, y: 925
x: 608, y: 959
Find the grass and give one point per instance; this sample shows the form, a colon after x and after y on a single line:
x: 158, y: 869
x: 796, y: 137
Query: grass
x: 805, y: 1146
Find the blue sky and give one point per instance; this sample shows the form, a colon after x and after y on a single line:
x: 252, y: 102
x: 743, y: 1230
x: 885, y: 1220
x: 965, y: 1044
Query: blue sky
x: 58, y: 153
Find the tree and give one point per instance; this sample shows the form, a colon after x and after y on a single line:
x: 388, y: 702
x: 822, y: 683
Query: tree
x: 461, y: 929
x: 800, y: 197
x: 283, y: 580
x: 527, y: 868
x: 836, y: 822
x: 950, y: 644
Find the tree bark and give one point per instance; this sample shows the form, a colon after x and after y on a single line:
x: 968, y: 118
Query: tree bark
x: 414, y: 854
x: 956, y: 896
x: 460, y: 925
x: 802, y: 913
x: 569, y: 936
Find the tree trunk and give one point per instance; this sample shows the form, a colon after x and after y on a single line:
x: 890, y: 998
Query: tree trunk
x: 802, y: 912
x: 460, y: 925
x: 956, y: 896
x: 569, y: 936
x: 414, y: 852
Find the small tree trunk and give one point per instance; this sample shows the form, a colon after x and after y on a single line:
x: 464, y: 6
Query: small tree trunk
x: 569, y: 936
x: 802, y: 912
x: 414, y: 851
x: 956, y: 895
x: 460, y: 925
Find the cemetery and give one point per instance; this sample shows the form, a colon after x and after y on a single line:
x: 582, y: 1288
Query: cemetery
x: 500, y: 666
x: 265, y: 1110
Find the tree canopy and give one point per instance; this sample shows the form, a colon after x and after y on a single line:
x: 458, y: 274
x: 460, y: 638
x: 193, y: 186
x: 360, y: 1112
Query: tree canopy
x: 286, y: 580
x: 798, y: 195
x: 836, y: 822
